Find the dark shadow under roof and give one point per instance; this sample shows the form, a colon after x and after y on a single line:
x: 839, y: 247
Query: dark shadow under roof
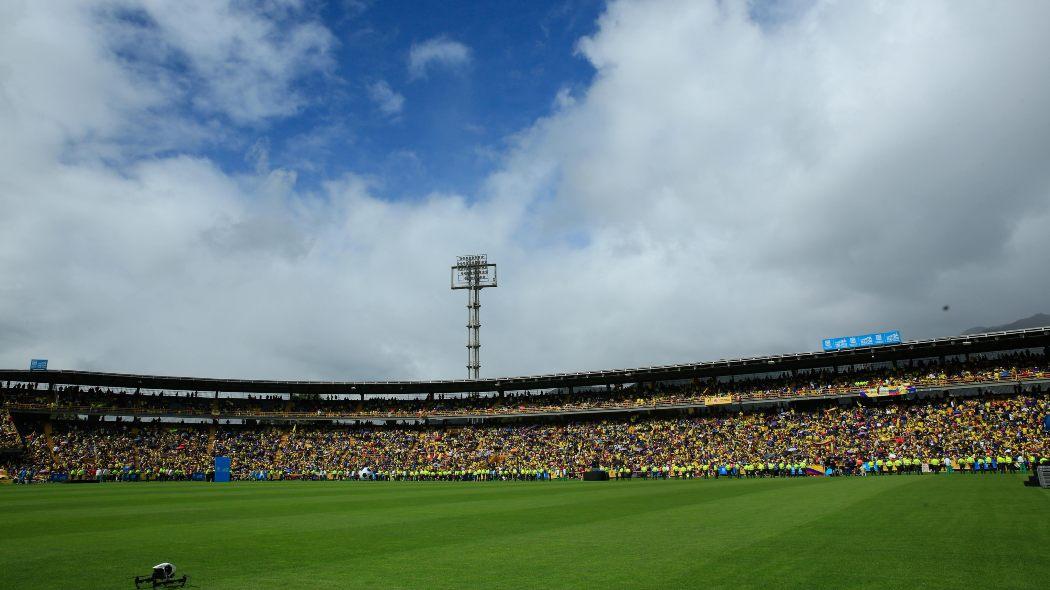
x: 974, y: 343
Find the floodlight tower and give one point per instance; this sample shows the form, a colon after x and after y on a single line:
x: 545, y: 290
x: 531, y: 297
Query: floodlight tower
x: 473, y: 272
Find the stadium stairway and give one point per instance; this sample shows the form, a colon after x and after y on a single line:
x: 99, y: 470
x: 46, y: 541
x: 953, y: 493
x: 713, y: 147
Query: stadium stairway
x: 21, y: 436
x: 280, y: 450
x: 47, y: 437
x: 211, y: 439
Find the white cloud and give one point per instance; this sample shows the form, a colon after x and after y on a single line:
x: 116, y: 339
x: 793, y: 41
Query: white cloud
x: 389, y: 102
x: 438, y: 51
x: 238, y: 62
x: 721, y: 188
x: 850, y: 169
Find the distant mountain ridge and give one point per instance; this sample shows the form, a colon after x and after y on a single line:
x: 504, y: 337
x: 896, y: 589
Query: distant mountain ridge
x: 1036, y: 321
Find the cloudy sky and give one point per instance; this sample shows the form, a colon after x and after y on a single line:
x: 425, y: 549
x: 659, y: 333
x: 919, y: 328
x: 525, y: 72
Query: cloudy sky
x: 278, y: 188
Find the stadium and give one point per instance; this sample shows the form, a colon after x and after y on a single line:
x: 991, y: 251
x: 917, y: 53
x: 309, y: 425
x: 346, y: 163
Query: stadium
x: 769, y: 308
x: 713, y: 471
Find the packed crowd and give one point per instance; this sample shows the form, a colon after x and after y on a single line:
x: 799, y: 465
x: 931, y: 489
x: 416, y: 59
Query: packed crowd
x: 977, y: 370
x: 118, y: 451
x: 977, y: 434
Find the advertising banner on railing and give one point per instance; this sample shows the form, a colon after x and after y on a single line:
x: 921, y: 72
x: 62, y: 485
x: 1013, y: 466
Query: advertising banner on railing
x: 877, y: 339
x: 715, y: 400
x: 888, y: 390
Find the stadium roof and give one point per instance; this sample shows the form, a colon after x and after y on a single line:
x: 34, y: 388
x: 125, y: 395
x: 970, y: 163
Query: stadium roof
x: 973, y: 343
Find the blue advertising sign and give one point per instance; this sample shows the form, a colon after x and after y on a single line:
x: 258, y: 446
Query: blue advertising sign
x: 38, y: 365
x: 222, y: 469
x: 877, y: 339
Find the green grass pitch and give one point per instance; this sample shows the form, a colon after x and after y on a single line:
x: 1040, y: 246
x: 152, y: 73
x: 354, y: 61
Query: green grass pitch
x: 897, y: 531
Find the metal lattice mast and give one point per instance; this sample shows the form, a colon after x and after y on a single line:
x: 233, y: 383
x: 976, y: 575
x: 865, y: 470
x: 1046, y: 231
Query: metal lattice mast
x: 473, y: 332
x: 473, y: 273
